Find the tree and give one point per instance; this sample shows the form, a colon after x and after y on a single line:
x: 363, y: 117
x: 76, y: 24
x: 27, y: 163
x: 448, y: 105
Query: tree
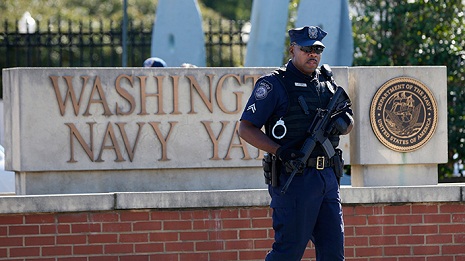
x: 231, y: 9
x: 77, y: 10
x: 418, y: 32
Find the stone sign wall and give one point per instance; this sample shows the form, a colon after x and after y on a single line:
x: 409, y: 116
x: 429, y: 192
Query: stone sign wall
x: 97, y: 119
x: 74, y: 130
x: 102, y: 129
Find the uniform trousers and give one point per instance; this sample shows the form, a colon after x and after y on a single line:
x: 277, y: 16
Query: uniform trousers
x: 309, y: 210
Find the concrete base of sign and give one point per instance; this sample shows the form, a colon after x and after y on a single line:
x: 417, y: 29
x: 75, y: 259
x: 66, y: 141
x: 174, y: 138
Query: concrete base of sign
x: 394, y: 175
x: 71, y: 182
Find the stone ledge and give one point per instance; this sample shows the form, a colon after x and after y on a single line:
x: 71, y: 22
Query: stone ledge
x: 216, y: 198
x: 192, y: 199
x: 57, y: 203
x: 396, y: 194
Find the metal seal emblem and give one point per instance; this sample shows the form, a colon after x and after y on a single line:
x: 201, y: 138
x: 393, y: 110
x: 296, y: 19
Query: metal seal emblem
x: 403, y: 114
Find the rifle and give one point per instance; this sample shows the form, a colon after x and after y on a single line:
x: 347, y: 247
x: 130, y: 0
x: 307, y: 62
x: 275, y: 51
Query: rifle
x: 317, y: 132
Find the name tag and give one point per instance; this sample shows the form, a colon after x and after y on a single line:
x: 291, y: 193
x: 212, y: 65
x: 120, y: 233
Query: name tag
x: 300, y: 84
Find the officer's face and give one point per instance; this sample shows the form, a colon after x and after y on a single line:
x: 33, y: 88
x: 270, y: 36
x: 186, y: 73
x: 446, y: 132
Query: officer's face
x: 306, y: 58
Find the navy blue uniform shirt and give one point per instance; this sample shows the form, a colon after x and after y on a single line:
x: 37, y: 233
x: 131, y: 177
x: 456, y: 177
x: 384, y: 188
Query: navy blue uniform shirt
x: 269, y: 97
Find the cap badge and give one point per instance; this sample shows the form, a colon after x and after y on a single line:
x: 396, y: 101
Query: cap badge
x: 312, y: 32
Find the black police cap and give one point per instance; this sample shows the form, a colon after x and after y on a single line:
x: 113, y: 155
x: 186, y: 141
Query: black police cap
x: 307, y: 35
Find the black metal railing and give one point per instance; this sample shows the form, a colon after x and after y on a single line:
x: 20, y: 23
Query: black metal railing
x: 95, y: 44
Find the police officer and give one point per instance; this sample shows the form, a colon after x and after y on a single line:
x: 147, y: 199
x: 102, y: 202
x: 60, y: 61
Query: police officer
x: 285, y: 102
x: 154, y: 62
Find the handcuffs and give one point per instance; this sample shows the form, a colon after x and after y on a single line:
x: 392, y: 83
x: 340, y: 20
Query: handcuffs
x: 280, y: 122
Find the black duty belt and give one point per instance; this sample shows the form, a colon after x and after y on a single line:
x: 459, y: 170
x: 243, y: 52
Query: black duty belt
x: 320, y: 162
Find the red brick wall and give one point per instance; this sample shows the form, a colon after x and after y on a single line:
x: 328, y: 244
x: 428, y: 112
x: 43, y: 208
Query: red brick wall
x: 373, y: 232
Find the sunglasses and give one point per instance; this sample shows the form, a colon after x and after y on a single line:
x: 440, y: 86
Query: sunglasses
x: 312, y: 49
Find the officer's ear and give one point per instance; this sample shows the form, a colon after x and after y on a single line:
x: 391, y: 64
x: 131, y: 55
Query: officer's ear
x: 291, y: 49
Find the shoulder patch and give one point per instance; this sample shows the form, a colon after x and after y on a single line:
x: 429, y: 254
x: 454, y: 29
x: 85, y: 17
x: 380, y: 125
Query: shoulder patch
x: 264, y: 87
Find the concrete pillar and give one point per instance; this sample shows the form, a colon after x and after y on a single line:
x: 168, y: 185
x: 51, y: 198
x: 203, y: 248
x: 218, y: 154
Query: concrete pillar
x: 401, y: 125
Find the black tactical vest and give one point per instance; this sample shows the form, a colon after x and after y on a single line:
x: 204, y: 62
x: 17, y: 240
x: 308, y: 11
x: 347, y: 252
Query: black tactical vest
x: 303, y: 102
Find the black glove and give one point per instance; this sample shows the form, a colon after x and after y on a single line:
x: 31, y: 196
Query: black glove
x: 341, y: 123
x: 286, y: 154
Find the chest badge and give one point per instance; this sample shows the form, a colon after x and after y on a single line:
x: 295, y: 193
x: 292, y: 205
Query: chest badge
x: 300, y: 84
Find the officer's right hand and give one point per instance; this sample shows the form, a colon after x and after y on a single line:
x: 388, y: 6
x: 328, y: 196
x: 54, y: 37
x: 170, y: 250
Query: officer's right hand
x: 286, y: 154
